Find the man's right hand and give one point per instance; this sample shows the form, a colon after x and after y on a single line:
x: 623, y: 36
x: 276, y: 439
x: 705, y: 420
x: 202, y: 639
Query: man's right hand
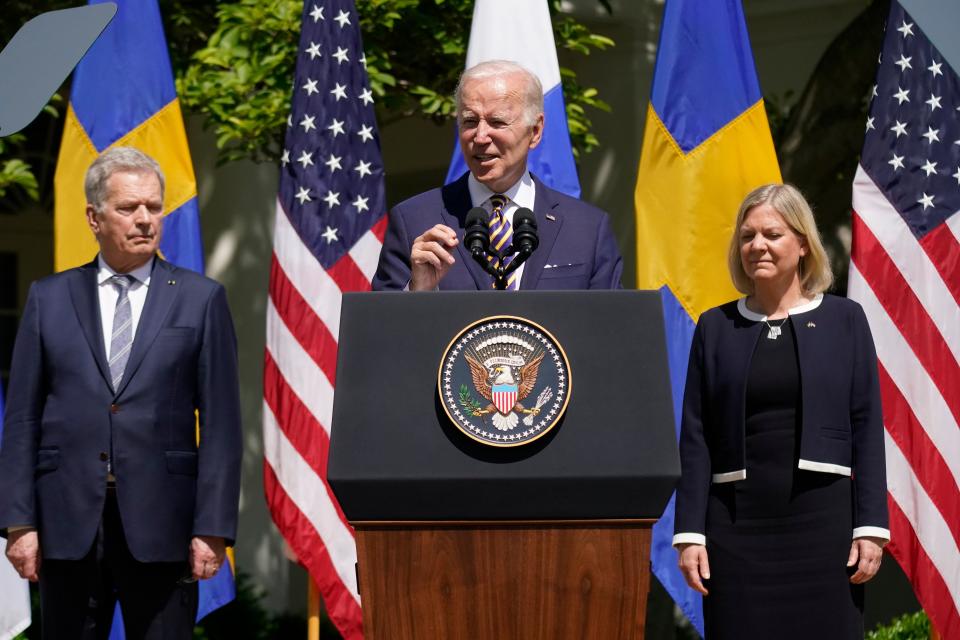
x: 23, y: 552
x: 430, y: 257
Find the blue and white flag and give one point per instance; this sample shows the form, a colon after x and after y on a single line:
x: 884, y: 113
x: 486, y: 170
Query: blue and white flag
x: 14, y: 590
x: 527, y: 39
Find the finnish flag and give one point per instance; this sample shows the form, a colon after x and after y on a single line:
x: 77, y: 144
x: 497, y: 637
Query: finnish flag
x: 527, y: 39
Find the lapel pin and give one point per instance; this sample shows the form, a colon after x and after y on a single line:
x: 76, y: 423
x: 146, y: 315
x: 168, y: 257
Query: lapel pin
x: 171, y: 282
x: 550, y: 216
x: 811, y: 325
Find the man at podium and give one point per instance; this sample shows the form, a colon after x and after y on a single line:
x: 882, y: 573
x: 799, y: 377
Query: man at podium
x: 500, y: 118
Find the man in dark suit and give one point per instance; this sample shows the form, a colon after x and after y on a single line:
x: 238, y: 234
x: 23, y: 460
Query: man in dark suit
x: 105, y: 493
x: 500, y: 119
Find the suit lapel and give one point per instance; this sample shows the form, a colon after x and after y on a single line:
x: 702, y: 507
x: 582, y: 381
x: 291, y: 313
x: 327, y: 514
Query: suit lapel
x: 86, y: 304
x: 161, y: 294
x: 456, y: 203
x: 547, y: 229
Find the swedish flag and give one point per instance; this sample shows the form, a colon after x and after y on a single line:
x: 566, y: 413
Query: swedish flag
x: 706, y: 145
x: 123, y: 95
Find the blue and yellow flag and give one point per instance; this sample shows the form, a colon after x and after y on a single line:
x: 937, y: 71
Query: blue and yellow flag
x: 123, y: 95
x: 706, y: 145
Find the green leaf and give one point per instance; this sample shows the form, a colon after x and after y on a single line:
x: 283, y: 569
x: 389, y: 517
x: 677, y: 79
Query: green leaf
x: 911, y: 626
x: 18, y: 173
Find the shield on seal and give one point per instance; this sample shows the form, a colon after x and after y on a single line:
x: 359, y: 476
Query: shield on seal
x: 504, y: 396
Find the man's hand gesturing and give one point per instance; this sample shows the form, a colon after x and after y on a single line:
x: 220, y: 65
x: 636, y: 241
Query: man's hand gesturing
x: 431, y: 258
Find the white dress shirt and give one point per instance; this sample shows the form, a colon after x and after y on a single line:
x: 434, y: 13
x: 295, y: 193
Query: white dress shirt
x: 523, y: 193
x: 108, y: 294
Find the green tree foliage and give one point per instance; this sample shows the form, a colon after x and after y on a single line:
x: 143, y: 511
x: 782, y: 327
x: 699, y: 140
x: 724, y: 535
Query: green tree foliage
x: 415, y: 50
x: 18, y: 157
x: 910, y: 626
x: 241, y: 80
x: 18, y: 180
x: 14, y: 171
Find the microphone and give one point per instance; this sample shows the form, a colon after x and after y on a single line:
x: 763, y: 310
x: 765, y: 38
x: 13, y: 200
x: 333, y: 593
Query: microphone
x: 476, y: 233
x: 476, y: 238
x: 525, y: 239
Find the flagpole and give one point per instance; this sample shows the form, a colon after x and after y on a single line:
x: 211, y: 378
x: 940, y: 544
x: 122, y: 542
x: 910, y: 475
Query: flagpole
x: 313, y: 610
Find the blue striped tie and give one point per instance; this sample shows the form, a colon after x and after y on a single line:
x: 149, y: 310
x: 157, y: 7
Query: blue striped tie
x: 501, y: 238
x: 122, y: 337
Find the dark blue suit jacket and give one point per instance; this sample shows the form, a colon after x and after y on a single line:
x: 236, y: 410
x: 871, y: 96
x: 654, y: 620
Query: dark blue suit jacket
x: 842, y: 424
x: 577, y: 248
x: 63, y: 418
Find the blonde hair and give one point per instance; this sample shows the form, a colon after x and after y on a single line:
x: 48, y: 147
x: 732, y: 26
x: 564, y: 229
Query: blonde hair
x: 816, y: 275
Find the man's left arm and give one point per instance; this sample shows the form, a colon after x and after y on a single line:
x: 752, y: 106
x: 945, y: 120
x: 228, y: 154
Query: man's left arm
x: 221, y: 442
x: 608, y: 264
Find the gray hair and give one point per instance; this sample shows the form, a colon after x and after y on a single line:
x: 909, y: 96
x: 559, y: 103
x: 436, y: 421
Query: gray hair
x: 815, y: 273
x: 117, y: 160
x: 532, y: 89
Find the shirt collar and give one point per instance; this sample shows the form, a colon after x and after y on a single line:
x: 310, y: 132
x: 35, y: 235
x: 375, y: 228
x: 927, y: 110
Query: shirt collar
x: 523, y: 192
x: 141, y: 274
x: 759, y: 317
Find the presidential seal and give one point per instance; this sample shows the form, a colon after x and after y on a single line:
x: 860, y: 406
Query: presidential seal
x: 504, y: 381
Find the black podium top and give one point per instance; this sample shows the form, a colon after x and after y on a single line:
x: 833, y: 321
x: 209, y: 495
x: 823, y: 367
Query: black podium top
x: 395, y: 455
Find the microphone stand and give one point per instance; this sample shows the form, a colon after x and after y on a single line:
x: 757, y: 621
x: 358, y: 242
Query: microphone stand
x: 501, y: 274
x: 477, y: 238
x: 479, y: 255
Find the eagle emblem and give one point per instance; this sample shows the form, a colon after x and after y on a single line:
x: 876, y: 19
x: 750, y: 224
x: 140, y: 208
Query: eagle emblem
x: 506, y: 380
x: 489, y: 376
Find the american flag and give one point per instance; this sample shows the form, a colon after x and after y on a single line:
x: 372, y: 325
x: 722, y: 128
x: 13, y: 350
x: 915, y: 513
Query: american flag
x: 329, y: 229
x: 905, y: 271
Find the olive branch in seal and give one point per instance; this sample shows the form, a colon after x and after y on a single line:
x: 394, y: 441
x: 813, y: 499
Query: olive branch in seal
x: 467, y: 401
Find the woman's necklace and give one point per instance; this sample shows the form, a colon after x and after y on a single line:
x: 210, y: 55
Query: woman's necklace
x: 774, y: 330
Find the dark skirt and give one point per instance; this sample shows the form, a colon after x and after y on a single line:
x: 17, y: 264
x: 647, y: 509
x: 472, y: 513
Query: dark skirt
x: 778, y: 543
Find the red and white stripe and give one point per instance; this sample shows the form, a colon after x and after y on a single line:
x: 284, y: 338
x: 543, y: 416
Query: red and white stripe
x: 910, y: 291
x: 504, y: 400
x: 303, y: 322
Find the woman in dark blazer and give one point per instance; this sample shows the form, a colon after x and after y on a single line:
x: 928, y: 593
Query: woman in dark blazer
x: 781, y: 511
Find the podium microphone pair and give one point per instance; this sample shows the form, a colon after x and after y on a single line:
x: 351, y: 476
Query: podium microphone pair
x: 476, y: 237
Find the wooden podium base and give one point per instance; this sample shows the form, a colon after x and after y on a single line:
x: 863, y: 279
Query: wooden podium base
x: 504, y: 580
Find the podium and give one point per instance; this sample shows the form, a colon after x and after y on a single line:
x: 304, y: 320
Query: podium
x: 460, y: 539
